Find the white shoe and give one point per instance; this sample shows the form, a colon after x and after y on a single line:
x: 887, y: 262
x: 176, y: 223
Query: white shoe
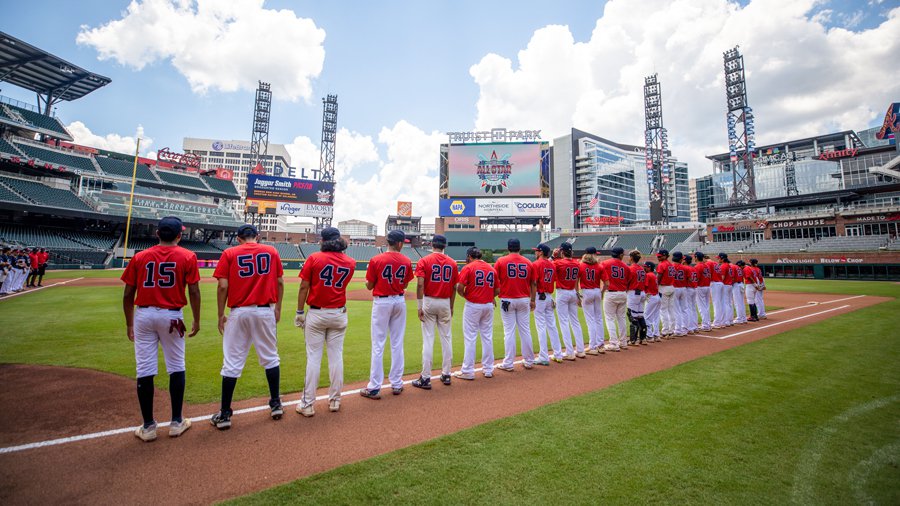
x: 308, y: 411
x: 612, y: 347
x: 177, y: 429
x: 146, y: 434
x: 488, y: 374
x: 334, y: 405
x: 464, y: 375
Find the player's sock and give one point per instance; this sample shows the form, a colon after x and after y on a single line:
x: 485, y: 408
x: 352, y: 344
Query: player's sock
x: 753, y: 311
x: 176, y: 393
x: 643, y: 328
x: 228, y: 384
x: 145, y: 398
x: 273, y: 376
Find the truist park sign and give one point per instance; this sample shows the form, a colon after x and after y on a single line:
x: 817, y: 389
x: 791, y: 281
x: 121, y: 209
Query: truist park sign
x: 495, y: 135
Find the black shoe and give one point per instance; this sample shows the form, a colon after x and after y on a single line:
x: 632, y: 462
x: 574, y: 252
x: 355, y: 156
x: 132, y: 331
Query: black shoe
x: 445, y: 379
x: 423, y: 383
x: 277, y: 409
x: 221, y: 420
x: 370, y: 394
x: 398, y: 390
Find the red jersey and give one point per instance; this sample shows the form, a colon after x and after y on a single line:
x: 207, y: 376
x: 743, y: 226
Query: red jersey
x: 34, y: 260
x: 652, y: 288
x: 43, y: 257
x: 704, y: 274
x: 328, y: 274
x: 391, y: 272
x: 692, y: 275
x: 478, y: 278
x: 543, y: 272
x: 590, y: 275
x: 666, y: 273
x: 758, y: 273
x: 440, y: 273
x: 715, y: 271
x: 681, y: 276
x: 638, y: 279
x: 725, y: 271
x: 514, y: 276
x: 749, y: 274
x: 252, y: 271
x: 737, y: 274
x: 566, y: 273
x: 160, y: 274
x: 617, y: 275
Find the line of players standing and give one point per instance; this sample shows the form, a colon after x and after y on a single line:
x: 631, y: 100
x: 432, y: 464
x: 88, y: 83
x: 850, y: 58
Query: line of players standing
x: 21, y: 269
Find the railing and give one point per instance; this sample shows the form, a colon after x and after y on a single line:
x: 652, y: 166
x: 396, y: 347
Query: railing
x: 23, y: 105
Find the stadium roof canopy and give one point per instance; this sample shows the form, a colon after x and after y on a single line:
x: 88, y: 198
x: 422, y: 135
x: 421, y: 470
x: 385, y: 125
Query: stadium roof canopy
x: 51, y: 77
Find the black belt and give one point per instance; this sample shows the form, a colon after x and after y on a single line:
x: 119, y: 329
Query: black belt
x: 616, y: 290
x: 252, y: 305
x: 386, y: 296
x: 166, y: 308
x: 317, y: 307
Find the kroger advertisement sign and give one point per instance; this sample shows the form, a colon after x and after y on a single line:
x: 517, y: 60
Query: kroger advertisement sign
x: 496, y: 208
x: 306, y: 210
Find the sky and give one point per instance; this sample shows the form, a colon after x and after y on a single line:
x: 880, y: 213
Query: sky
x: 407, y: 72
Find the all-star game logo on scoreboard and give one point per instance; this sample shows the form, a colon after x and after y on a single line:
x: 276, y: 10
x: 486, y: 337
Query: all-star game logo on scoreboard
x: 493, y: 172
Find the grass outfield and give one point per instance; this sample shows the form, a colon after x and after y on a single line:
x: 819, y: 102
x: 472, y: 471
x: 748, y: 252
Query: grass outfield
x: 808, y: 416
x: 86, y: 329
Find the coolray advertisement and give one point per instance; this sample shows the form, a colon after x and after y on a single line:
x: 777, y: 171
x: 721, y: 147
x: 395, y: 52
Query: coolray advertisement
x: 282, y: 189
x: 496, y: 208
x: 495, y: 170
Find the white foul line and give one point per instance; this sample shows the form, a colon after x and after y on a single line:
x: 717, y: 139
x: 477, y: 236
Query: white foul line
x: 113, y: 432
x: 815, y: 303
x: 25, y: 292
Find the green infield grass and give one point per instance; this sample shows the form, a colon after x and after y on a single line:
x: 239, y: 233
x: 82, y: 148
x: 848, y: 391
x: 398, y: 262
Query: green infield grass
x: 809, y: 416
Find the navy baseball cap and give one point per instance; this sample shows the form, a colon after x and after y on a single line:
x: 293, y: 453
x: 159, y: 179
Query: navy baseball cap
x: 473, y: 252
x: 170, y: 224
x: 247, y: 230
x: 651, y: 265
x: 566, y: 246
x: 617, y: 251
x: 662, y: 253
x: 543, y: 248
x: 699, y: 256
x: 723, y: 256
x: 513, y: 244
x: 439, y: 241
x: 396, y: 236
x: 677, y: 255
x: 753, y: 261
x: 330, y: 234
x: 590, y: 250
x: 740, y: 263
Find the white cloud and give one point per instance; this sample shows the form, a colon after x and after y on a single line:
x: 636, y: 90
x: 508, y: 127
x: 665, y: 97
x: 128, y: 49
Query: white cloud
x: 216, y: 45
x: 111, y: 142
x: 352, y: 150
x: 803, y: 78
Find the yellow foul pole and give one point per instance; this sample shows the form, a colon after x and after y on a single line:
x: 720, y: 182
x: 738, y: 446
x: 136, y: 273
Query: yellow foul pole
x: 137, y: 150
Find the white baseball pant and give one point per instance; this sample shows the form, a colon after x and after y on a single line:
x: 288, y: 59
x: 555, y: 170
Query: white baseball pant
x: 680, y: 311
x: 545, y: 321
x: 703, y: 306
x: 478, y: 319
x: 614, y: 305
x: 690, y: 308
x: 751, y: 290
x: 388, y: 316
x: 740, y: 308
x: 153, y: 328
x: 569, y: 324
x: 716, y: 288
x: 592, y: 305
x: 517, y: 316
x: 325, y: 330
x: 667, y: 309
x: 651, y: 314
x: 245, y: 326
x: 436, y: 313
x: 728, y: 304
x: 760, y: 304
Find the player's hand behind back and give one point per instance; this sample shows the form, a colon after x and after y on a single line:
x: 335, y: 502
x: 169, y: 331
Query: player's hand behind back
x: 222, y: 322
x: 195, y: 328
x: 130, y: 332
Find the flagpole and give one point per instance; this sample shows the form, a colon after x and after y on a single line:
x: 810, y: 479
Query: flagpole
x: 137, y: 150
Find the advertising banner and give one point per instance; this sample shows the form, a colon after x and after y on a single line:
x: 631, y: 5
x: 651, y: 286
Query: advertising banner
x: 501, y: 170
x: 282, y: 189
x: 404, y: 208
x: 306, y: 210
x: 457, y: 207
x: 496, y: 208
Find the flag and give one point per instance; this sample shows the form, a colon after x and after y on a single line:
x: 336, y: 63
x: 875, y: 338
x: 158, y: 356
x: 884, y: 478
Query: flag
x: 577, y: 212
x: 594, y: 201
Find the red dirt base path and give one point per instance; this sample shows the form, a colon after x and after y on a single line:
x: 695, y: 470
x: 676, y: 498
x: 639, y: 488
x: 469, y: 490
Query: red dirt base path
x: 205, y: 465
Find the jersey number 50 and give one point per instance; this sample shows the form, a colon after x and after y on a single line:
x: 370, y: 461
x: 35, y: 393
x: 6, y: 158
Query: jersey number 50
x: 248, y: 265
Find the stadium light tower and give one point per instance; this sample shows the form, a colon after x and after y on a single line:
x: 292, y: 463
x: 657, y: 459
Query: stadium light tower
x: 326, y: 158
x: 741, y: 143
x: 259, y: 139
x: 656, y: 145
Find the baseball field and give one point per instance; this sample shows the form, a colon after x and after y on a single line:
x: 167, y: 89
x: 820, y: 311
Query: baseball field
x: 800, y: 408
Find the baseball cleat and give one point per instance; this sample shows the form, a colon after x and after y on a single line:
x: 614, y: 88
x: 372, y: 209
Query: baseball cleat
x: 221, y: 420
x: 277, y: 409
x: 581, y: 354
x: 423, y: 383
x: 397, y: 390
x: 507, y: 368
x: 308, y: 411
x: 528, y: 366
x: 570, y: 358
x: 445, y: 379
x: 370, y: 394
x: 556, y: 358
x: 146, y: 434
x: 334, y: 405
x: 542, y: 362
x: 612, y: 347
x: 488, y: 374
x: 592, y: 351
x: 178, y: 428
x: 467, y: 375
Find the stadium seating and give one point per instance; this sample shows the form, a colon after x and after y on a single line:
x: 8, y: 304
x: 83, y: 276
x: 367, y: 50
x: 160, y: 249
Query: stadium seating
x: 44, y: 195
x: 411, y: 253
x: 97, y: 240
x: 58, y: 158
x: 125, y: 169
x: 849, y: 243
x: 221, y: 185
x: 8, y: 147
x: 7, y: 195
x: 78, y: 257
x: 640, y: 242
x: 307, y: 249
x: 199, y: 247
x: 674, y: 238
x: 688, y: 247
x: 181, y: 180
x: 714, y: 248
x: 556, y: 242
x: 779, y: 245
x: 32, y: 118
x: 286, y: 251
x: 457, y: 253
x: 362, y: 253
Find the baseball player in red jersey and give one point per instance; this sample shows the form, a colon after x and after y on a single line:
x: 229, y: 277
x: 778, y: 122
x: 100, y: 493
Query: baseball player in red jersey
x: 251, y: 283
x: 154, y: 282
x: 616, y: 277
x: 568, y: 298
x: 590, y: 275
x: 740, y: 306
x: 716, y: 289
x: 34, y: 263
x: 324, y: 279
x: 693, y: 279
x: 760, y: 289
x: 704, y: 278
x: 387, y: 276
x: 477, y: 284
x: 436, y: 293
x: 680, y: 284
x: 750, y: 287
x: 651, y: 311
x: 727, y: 287
x: 635, y: 300
x: 517, y: 299
x: 665, y: 277
x: 44, y: 259
x: 543, y: 277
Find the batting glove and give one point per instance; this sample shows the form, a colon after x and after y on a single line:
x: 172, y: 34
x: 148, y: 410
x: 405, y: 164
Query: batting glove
x: 300, y: 319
